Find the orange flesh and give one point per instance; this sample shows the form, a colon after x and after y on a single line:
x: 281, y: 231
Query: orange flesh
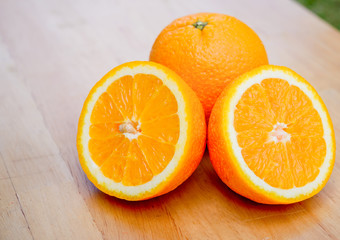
x: 280, y: 133
x: 145, y: 105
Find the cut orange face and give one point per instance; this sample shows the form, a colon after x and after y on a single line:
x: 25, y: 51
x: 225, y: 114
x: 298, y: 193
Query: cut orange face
x: 271, y: 138
x: 141, y: 132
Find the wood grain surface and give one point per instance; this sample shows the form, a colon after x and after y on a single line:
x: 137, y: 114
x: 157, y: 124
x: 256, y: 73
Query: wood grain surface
x: 53, y: 52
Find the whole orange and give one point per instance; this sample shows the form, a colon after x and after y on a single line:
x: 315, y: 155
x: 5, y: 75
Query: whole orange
x: 208, y: 50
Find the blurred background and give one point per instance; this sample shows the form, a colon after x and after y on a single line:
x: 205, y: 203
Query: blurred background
x: 329, y: 10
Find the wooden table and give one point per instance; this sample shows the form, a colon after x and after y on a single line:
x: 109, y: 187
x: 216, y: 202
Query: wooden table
x: 52, y: 53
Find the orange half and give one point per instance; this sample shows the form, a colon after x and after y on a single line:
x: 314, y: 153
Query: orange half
x: 271, y: 138
x: 137, y: 131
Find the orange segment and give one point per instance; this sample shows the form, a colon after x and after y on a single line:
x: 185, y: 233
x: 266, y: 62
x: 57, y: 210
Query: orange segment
x: 297, y: 104
x: 296, y: 162
x: 105, y: 111
x: 253, y: 110
x: 287, y: 102
x: 307, y: 125
x: 254, y: 157
x: 276, y: 98
x: 253, y: 138
x: 162, y: 104
x: 159, y: 153
x: 164, y: 129
x: 113, y: 167
x: 101, y: 149
x: 121, y: 93
x: 104, y: 130
x: 145, y: 87
x: 270, y: 163
x: 136, y: 170
x: 305, y: 155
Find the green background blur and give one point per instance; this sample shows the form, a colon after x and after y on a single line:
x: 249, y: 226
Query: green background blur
x: 329, y: 10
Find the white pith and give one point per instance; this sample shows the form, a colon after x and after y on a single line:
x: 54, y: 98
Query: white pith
x: 131, y: 136
x: 129, y: 131
x: 157, y: 179
x: 232, y: 134
x: 278, y: 134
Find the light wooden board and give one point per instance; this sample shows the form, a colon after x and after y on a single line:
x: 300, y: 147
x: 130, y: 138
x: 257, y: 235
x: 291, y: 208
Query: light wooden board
x: 53, y: 52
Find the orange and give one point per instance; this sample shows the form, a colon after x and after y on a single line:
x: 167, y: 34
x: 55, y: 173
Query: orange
x: 270, y: 137
x: 208, y: 50
x: 141, y: 132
